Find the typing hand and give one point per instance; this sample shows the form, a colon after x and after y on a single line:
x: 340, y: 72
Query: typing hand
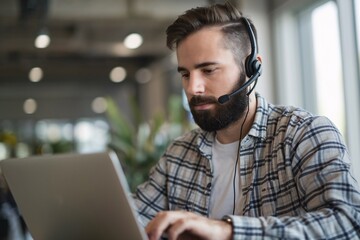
x: 182, y: 225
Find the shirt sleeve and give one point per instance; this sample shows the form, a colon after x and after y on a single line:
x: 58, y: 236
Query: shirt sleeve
x: 151, y: 196
x: 328, y: 194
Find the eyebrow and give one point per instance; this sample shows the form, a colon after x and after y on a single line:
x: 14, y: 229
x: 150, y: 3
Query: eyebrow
x: 197, y: 66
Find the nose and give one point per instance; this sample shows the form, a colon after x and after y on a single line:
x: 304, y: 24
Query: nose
x: 195, y: 85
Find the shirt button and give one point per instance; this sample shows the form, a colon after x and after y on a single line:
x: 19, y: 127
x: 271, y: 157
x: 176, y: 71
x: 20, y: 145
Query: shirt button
x: 208, y: 186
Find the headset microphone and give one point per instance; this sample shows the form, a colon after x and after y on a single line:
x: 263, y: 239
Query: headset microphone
x: 252, y: 66
x: 224, y: 98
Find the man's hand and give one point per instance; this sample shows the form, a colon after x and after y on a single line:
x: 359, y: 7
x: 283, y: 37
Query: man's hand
x: 186, y: 225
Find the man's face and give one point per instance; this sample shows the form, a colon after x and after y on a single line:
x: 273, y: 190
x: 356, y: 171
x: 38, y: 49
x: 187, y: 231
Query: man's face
x: 208, y: 71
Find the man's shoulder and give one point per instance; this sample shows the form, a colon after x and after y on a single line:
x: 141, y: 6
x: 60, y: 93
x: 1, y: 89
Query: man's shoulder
x: 268, y: 113
x: 295, y: 119
x: 289, y: 112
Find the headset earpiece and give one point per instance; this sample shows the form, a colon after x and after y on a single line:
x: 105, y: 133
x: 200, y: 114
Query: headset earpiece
x: 251, y: 65
x: 255, y: 64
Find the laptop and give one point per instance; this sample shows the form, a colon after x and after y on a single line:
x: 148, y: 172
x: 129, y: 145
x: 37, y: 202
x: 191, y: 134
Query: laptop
x: 73, y: 196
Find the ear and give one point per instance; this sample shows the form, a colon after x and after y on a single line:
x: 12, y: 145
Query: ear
x: 259, y: 58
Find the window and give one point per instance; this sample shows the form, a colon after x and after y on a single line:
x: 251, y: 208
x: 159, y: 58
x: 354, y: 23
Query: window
x: 357, y: 18
x: 48, y: 136
x: 320, y: 40
x: 328, y: 66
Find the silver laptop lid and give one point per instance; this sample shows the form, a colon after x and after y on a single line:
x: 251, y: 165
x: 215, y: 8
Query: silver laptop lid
x: 73, y: 196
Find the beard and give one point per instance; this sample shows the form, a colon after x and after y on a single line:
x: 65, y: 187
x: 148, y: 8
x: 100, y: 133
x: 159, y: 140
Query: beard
x: 222, y: 115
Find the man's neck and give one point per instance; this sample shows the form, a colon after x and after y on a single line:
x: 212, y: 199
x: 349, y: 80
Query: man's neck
x: 232, y: 132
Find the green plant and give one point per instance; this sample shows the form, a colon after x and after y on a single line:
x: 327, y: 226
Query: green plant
x: 139, y: 143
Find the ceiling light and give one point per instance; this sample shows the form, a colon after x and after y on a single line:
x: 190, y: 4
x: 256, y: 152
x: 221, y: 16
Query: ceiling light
x: 42, y: 40
x: 133, y: 40
x: 143, y: 75
x: 118, y: 74
x: 36, y: 74
x: 99, y: 105
x: 30, y: 106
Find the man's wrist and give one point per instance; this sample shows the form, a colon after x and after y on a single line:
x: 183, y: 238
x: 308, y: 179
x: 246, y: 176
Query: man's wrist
x: 228, y: 219
x: 230, y: 222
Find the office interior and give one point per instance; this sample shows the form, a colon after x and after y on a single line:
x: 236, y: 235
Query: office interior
x: 75, y: 75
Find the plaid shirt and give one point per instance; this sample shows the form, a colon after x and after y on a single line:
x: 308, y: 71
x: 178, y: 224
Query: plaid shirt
x: 295, y: 178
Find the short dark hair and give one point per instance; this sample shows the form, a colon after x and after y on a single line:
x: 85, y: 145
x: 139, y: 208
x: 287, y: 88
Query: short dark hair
x: 226, y: 16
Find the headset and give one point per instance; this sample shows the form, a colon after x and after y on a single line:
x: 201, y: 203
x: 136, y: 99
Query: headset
x: 253, y: 66
x: 253, y: 70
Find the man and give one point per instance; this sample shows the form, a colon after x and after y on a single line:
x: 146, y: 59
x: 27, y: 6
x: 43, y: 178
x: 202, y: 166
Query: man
x: 288, y: 177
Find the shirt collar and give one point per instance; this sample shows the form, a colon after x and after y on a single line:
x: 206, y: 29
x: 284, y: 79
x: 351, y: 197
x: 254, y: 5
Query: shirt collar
x: 259, y: 126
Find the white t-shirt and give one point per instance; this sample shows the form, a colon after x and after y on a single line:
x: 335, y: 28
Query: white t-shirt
x: 222, y: 193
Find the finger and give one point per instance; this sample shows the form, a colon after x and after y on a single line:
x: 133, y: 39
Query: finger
x: 197, y: 227
x: 187, y: 228
x: 177, y: 228
x: 158, y: 225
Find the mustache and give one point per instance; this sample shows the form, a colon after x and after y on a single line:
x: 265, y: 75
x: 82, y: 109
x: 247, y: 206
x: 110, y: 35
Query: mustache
x: 199, y: 100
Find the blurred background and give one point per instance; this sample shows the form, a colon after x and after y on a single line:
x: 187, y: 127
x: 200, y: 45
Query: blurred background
x: 88, y: 75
